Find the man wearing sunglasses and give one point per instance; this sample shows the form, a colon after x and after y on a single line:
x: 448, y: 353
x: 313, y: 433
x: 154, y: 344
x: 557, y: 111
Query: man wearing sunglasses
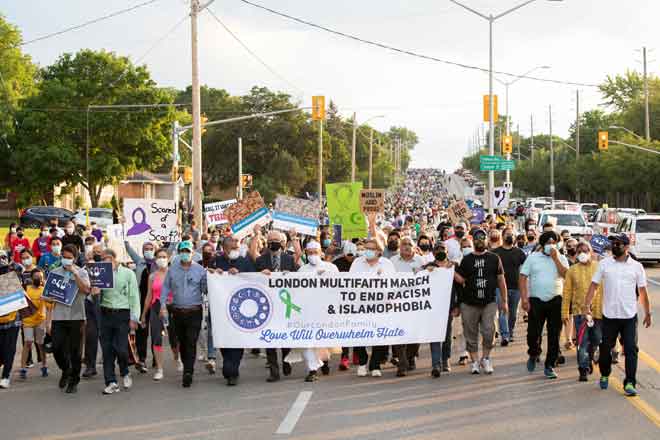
x: 624, y: 281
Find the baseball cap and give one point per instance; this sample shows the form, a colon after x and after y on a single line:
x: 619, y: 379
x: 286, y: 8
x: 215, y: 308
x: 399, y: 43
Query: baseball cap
x: 349, y: 248
x: 479, y: 234
x: 185, y: 245
x: 623, y: 238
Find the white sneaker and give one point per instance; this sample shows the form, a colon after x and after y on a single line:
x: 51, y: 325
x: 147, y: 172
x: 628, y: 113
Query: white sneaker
x: 128, y: 382
x: 362, y: 371
x: 179, y: 365
x: 376, y: 373
x: 158, y: 375
x: 210, y: 366
x: 112, y: 388
x: 487, y: 365
x: 4, y: 384
x: 474, y: 369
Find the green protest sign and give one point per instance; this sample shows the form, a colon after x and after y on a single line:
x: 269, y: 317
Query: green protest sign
x: 344, y: 209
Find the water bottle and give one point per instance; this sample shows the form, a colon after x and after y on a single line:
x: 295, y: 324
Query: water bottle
x: 590, y: 320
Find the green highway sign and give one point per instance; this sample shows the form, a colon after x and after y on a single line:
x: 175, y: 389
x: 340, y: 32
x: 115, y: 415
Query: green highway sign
x: 495, y: 163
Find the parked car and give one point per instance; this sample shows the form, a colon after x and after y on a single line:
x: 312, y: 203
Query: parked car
x: 564, y: 220
x: 101, y: 216
x: 588, y: 209
x: 567, y: 206
x: 35, y: 216
x: 644, y: 234
x: 605, y: 220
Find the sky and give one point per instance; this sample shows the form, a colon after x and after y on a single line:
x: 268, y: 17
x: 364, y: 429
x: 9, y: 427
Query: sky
x: 581, y: 40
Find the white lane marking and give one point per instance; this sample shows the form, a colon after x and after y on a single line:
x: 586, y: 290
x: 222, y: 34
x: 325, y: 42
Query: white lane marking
x: 294, y: 413
x: 652, y: 281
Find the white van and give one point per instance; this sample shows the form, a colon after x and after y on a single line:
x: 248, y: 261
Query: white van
x: 644, y: 234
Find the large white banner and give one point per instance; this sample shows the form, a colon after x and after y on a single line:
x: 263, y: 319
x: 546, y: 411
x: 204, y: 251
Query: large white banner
x: 299, y: 310
x: 150, y: 220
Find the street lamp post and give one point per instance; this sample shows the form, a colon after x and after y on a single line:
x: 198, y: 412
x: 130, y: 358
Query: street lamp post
x: 491, y: 137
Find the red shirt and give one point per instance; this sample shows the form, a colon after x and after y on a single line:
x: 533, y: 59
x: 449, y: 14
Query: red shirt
x: 17, y: 245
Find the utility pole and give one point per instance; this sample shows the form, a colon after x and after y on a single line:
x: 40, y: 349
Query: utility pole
x: 577, y: 143
x: 240, y: 168
x: 197, y: 132
x: 647, y: 122
x: 552, y: 162
x: 518, y: 133
x: 353, y: 148
x: 175, y: 168
x: 531, y: 142
x: 321, y: 164
x: 371, y: 155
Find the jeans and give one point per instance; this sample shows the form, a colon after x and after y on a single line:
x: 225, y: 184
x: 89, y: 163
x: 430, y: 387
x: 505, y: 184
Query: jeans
x: 187, y: 324
x: 378, y: 355
x: 590, y: 340
x: 91, y: 333
x: 441, y: 351
x: 507, y: 321
x: 8, y: 338
x: 612, y: 328
x: 231, y: 361
x: 114, y: 342
x: 541, y: 312
x: 67, y: 341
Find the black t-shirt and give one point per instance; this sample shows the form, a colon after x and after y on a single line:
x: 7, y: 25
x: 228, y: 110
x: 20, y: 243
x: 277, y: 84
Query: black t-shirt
x: 480, y: 273
x: 342, y: 264
x: 511, y: 259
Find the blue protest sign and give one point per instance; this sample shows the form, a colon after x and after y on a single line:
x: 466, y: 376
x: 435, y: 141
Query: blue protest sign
x: 59, y: 288
x: 599, y: 243
x: 101, y: 275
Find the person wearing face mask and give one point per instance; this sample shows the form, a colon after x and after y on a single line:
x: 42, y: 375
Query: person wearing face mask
x: 34, y: 329
x: 17, y: 244
x: 624, y: 284
x: 453, y: 242
x: 93, y: 321
x: 209, y: 262
x: 343, y: 264
x: 457, y: 324
x: 52, y: 259
x: 570, y: 250
x: 276, y: 260
x: 151, y: 311
x: 393, y: 239
x: 316, y: 265
x: 72, y: 237
x: 521, y: 241
x: 576, y: 285
x: 531, y: 242
x: 371, y: 262
x: 10, y: 234
x: 186, y: 281
x: 441, y: 351
x: 27, y: 265
x: 231, y: 261
x: 494, y: 239
x: 425, y: 248
x: 483, y: 274
x: 41, y: 244
x: 512, y: 259
x: 68, y: 322
x: 544, y: 270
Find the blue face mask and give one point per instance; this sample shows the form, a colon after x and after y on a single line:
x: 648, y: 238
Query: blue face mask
x: 186, y: 257
x: 149, y: 255
x: 326, y: 242
x: 467, y: 251
x: 67, y: 262
x: 370, y: 254
x: 547, y: 249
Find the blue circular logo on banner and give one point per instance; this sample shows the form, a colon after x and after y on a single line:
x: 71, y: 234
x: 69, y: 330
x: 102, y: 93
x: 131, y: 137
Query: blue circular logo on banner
x: 249, y: 308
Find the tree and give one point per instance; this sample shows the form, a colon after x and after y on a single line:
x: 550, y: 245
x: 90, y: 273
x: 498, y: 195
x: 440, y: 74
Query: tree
x: 120, y: 140
x: 620, y: 91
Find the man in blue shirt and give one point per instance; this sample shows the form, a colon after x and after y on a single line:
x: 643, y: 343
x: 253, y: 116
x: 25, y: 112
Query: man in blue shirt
x: 186, y: 280
x: 52, y: 260
x: 541, y: 299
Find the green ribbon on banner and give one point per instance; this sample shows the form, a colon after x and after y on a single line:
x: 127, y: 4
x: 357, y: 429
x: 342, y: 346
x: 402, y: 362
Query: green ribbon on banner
x: 285, y: 297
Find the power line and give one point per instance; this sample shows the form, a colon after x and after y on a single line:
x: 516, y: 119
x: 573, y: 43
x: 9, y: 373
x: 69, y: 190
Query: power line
x: 254, y: 55
x: 87, y: 23
x: 409, y: 52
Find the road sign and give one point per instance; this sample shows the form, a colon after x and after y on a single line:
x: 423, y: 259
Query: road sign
x: 487, y: 108
x: 495, y: 163
x: 500, y: 198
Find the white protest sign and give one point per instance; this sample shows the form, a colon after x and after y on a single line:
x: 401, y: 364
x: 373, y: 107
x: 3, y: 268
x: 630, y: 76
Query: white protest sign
x: 150, y: 220
x: 500, y: 198
x: 214, y: 212
x: 116, y: 239
x: 299, y: 214
x: 299, y: 310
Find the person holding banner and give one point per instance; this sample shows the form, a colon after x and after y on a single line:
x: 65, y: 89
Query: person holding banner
x: 231, y: 261
x: 68, y: 321
x: 371, y: 263
x: 276, y: 260
x: 186, y: 281
x: 120, y: 311
x: 319, y: 267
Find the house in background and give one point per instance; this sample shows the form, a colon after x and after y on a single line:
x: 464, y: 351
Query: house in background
x: 8, y: 207
x: 146, y: 185
x: 79, y: 197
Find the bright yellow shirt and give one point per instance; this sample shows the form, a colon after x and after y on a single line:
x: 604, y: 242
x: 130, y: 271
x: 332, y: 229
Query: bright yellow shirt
x: 40, y: 315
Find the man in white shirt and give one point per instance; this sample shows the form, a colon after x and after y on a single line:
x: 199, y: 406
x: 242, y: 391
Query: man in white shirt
x: 406, y: 261
x: 319, y: 267
x: 371, y: 263
x: 622, y: 279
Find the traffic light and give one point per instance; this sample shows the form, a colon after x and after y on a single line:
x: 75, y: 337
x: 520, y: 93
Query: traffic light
x: 507, y: 144
x: 487, y: 108
x: 203, y: 120
x: 175, y: 174
x: 318, y: 108
x: 187, y: 175
x: 246, y: 180
x: 603, y: 140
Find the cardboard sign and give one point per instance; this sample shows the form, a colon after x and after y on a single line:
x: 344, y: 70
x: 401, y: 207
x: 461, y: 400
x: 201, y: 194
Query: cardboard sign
x: 245, y: 214
x: 459, y: 211
x: 150, y: 220
x: 344, y: 209
x: 101, y: 275
x: 62, y: 289
x: 12, y: 295
x: 299, y: 214
x: 372, y: 201
x: 214, y: 212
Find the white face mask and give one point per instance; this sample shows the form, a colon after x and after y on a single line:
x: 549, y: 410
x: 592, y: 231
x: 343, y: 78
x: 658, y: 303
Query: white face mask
x: 27, y: 262
x: 44, y: 233
x: 583, y: 257
x: 88, y: 248
x: 161, y: 262
x: 234, y: 254
x: 314, y: 260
